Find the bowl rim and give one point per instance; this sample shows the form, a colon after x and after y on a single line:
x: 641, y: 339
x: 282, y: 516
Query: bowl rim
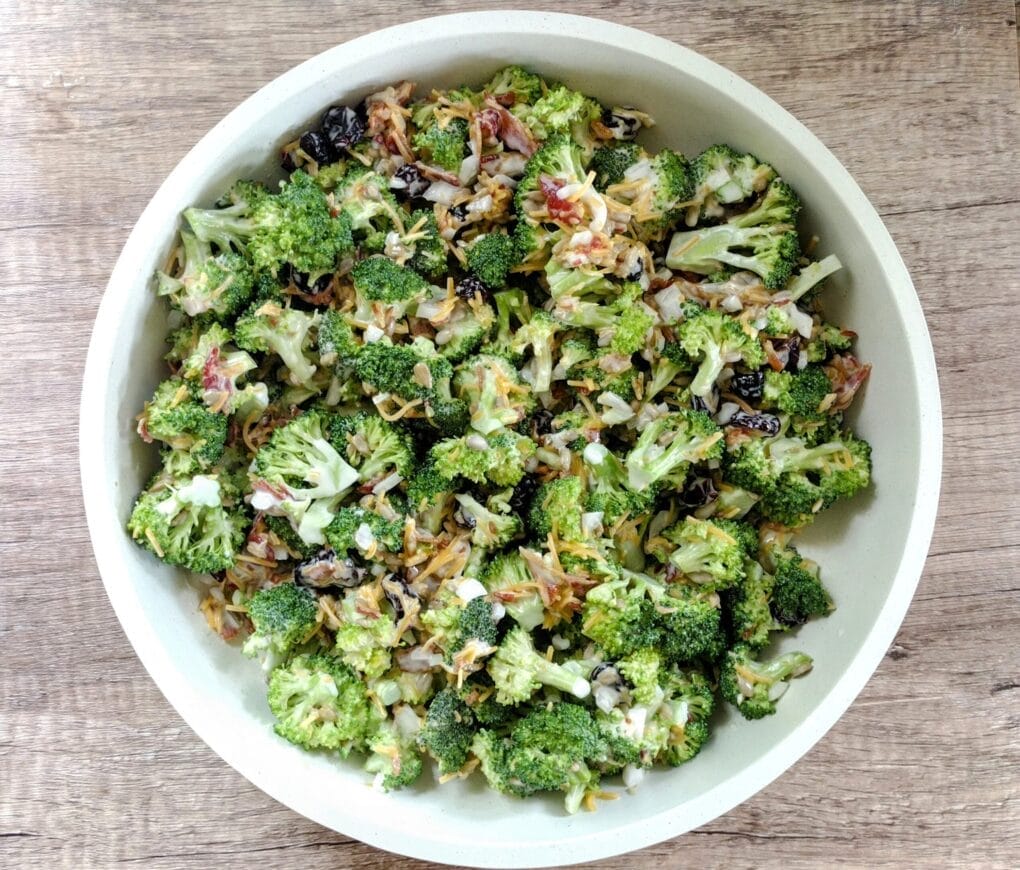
x: 719, y: 799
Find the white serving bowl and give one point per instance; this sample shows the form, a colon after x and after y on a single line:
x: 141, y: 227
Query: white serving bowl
x: 872, y: 551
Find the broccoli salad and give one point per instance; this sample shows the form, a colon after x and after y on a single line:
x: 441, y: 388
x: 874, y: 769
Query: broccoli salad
x: 489, y: 432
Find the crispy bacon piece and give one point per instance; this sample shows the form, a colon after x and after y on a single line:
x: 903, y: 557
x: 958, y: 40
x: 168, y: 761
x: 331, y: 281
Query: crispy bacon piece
x: 847, y: 374
x: 559, y: 209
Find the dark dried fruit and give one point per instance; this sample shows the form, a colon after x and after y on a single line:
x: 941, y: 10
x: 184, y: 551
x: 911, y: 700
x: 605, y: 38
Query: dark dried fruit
x: 624, y: 126
x: 326, y: 569
x: 766, y: 423
x: 343, y: 127
x: 541, y: 422
x: 698, y: 491
x: 793, y: 360
x: 469, y: 287
x: 398, y: 594
x: 459, y: 212
x: 316, y: 146
x: 287, y: 162
x: 748, y: 386
x: 408, y: 181
x: 523, y: 493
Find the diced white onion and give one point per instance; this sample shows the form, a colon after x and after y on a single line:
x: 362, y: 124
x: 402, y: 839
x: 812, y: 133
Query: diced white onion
x: 363, y: 537
x: 387, y: 483
x: 373, y: 333
x: 442, y: 192
x: 726, y: 413
x: 469, y: 589
x: 632, y: 776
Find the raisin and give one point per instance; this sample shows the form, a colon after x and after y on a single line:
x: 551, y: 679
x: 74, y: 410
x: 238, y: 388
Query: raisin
x: 698, y: 491
x: 469, y: 287
x: 748, y: 386
x: 766, y: 423
x: 343, y: 127
x: 409, y: 181
x: 318, y: 147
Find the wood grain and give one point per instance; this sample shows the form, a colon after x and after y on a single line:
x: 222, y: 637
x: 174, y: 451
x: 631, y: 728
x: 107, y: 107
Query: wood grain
x: 98, y: 101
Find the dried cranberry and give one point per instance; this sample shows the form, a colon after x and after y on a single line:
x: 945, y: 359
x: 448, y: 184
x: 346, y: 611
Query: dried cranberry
x: 748, y: 386
x: 316, y: 146
x: 698, y: 491
x: 408, y: 181
x: 343, y: 127
x: 541, y: 422
x: 469, y: 287
x: 523, y: 493
x: 793, y: 359
x: 766, y: 423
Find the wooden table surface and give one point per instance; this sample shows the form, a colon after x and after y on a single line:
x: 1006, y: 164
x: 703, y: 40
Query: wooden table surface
x: 98, y: 101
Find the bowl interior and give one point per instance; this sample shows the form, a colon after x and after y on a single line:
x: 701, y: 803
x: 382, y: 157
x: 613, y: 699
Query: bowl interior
x: 871, y: 551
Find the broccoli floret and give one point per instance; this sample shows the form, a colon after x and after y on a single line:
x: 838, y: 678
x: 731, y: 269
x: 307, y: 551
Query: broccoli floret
x: 364, y: 641
x: 799, y: 394
x: 283, y: 616
x: 706, y: 553
x: 509, y: 582
x: 175, y: 417
x: 512, y: 310
x: 216, y: 365
x: 411, y: 371
x: 580, y: 284
x: 683, y: 715
x: 608, y: 491
x: 691, y: 626
x: 779, y: 205
x: 283, y: 331
x: 712, y: 338
x: 655, y: 188
x: 355, y: 528
x: 444, y: 146
x: 751, y: 685
x: 491, y: 258
x: 556, y: 748
x: 301, y: 474
x: 465, y: 330
x: 631, y: 330
x: 281, y: 527
x: 732, y: 502
x: 448, y: 731
x: 533, y: 242
x: 492, y: 524
x: 516, y: 84
x: 671, y: 362
x: 336, y: 342
x: 612, y: 160
x: 395, y: 757
x: 620, y: 615
x: 429, y: 257
x: 193, y: 522
x: 668, y: 446
x: 372, y: 445
x: 827, y: 340
x: 810, y: 276
x: 748, y: 605
x: 558, y: 160
x: 365, y: 201
x: 538, y: 334
x: 295, y: 227
x: 220, y: 284
x: 723, y: 175
x: 428, y: 495
x: 798, y: 593
x: 771, y: 251
x: 518, y: 671
x: 380, y: 280
x: 562, y: 110
x: 494, y: 391
x: 556, y: 509
x: 499, y: 459
x: 320, y: 703
x: 795, y: 480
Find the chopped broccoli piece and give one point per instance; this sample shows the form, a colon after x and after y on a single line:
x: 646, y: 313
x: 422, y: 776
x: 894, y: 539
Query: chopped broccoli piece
x: 612, y: 160
x: 751, y: 685
x: 176, y: 418
x: 492, y: 524
x: 556, y: 509
x: 518, y: 671
x: 283, y: 331
x: 669, y: 445
x: 219, y: 284
x: 372, y: 445
x: 320, y: 703
x: 711, y: 337
x: 516, y: 83
x: 799, y: 394
x: 445, y: 146
x: 284, y: 616
x: 193, y: 522
x: 772, y: 251
x: 491, y: 258
x: 448, y: 731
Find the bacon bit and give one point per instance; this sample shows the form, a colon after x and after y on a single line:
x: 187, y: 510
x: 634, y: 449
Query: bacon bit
x: 515, y: 135
x: 848, y: 375
x: 434, y: 173
x: 143, y: 428
x: 559, y: 209
x: 488, y: 125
